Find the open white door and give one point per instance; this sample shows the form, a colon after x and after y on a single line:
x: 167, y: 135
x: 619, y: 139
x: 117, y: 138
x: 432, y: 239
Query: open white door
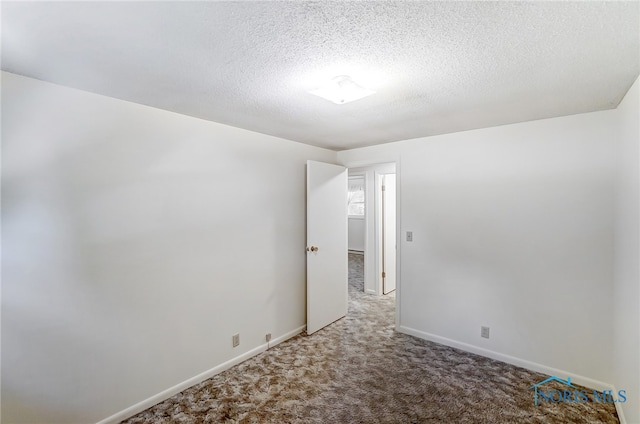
x: 389, y: 233
x: 327, y: 267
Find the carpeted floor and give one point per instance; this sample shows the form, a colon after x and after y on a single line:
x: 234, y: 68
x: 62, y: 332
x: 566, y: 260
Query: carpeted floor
x: 359, y: 370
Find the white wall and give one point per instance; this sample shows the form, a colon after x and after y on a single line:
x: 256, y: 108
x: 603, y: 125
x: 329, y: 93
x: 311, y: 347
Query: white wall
x: 626, y: 299
x: 512, y: 229
x: 356, y: 233
x: 135, y: 243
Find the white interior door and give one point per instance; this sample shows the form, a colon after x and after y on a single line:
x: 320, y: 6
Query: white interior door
x: 327, y: 234
x: 389, y: 233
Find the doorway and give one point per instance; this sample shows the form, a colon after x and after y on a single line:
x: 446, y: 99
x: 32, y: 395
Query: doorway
x: 356, y: 230
x: 372, y: 226
x: 327, y: 237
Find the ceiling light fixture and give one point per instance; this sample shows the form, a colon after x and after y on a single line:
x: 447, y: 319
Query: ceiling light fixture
x: 342, y: 89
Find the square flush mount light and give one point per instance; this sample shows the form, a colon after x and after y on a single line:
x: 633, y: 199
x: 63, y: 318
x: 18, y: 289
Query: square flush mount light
x: 342, y: 89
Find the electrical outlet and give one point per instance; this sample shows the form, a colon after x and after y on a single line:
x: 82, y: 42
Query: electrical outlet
x: 409, y: 235
x: 236, y: 340
x: 268, y: 337
x: 484, y: 332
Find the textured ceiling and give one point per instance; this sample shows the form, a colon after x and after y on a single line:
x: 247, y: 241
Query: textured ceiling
x: 437, y: 67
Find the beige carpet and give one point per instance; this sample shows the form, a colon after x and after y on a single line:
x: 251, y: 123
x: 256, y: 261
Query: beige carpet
x: 359, y: 370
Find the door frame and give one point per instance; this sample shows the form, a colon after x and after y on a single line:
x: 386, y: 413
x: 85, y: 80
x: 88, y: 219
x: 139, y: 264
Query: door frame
x: 373, y: 284
x: 381, y: 229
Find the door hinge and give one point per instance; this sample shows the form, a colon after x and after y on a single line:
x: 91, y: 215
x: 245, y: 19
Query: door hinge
x: 383, y: 188
x: 384, y: 274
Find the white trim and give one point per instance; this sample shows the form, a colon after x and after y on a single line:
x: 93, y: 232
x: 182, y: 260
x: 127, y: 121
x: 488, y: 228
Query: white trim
x: 618, y: 405
x: 578, y: 379
x: 378, y: 182
x: 398, y: 242
x: 166, y: 394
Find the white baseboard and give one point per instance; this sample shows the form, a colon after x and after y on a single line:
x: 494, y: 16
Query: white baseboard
x: 621, y: 417
x: 578, y: 379
x: 166, y: 394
